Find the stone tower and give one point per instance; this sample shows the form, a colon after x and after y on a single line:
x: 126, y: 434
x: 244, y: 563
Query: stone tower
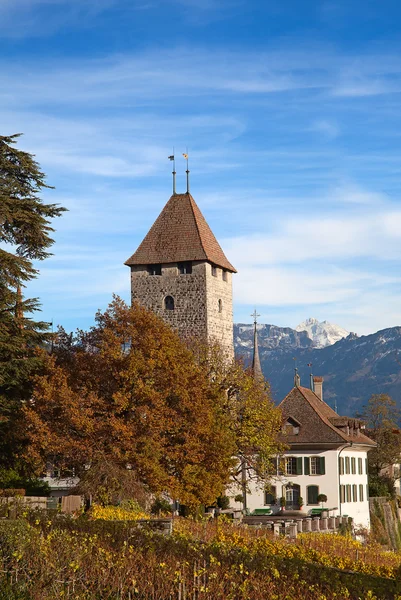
x: 180, y: 272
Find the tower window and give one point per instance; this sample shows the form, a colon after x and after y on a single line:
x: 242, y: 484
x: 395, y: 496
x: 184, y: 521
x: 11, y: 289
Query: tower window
x: 169, y: 303
x: 224, y: 275
x: 185, y: 268
x: 214, y: 271
x: 154, y: 269
x: 220, y: 306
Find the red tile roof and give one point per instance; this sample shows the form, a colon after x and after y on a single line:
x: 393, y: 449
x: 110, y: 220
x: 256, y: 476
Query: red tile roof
x: 179, y: 234
x: 316, y: 420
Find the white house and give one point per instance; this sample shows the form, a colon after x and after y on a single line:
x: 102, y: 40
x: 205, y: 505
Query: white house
x: 327, y: 455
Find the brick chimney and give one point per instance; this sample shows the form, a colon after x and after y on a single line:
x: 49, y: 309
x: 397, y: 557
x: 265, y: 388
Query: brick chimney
x: 318, y: 387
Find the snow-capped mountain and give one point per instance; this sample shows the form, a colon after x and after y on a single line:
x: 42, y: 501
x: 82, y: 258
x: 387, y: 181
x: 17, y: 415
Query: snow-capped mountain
x: 322, y: 333
x: 353, y: 368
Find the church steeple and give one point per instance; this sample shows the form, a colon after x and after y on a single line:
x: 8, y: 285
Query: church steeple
x: 256, y: 367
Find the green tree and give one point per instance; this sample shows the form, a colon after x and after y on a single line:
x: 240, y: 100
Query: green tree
x: 25, y: 236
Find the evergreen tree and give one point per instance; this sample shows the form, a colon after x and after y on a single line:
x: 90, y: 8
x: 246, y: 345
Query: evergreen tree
x: 24, y: 237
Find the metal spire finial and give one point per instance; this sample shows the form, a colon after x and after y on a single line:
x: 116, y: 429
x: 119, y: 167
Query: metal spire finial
x: 255, y: 316
x: 172, y: 157
x: 185, y: 155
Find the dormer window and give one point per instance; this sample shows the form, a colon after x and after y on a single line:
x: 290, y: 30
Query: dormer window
x: 185, y: 268
x: 291, y: 427
x: 154, y: 269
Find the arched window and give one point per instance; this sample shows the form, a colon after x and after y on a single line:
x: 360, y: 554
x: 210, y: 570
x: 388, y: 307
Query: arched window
x: 292, y: 494
x: 313, y: 492
x: 220, y: 306
x: 169, y: 303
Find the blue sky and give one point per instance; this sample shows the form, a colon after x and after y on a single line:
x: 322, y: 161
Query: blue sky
x: 291, y: 113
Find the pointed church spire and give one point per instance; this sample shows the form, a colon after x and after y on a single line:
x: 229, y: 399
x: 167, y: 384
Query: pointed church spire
x: 297, y: 379
x: 256, y: 368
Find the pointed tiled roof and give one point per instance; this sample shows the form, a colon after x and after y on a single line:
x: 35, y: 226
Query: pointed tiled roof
x: 319, y: 423
x: 256, y: 367
x: 179, y: 234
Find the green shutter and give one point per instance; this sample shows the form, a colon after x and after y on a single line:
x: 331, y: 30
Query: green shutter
x: 299, y: 465
x: 322, y: 465
x: 306, y: 465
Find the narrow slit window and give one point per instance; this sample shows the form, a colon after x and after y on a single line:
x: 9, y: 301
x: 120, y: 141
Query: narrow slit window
x: 214, y: 271
x: 224, y: 275
x: 220, y: 303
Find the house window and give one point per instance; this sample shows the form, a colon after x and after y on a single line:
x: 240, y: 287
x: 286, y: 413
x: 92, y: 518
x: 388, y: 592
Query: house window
x: 341, y: 465
x: 169, y: 303
x: 366, y: 466
x: 354, y: 493
x: 154, y: 269
x: 315, y: 465
x: 360, y: 467
x: 214, y: 271
x: 360, y: 492
x: 312, y: 494
x: 224, y: 275
x: 185, y: 268
x: 348, y: 492
x: 347, y: 470
x: 271, y: 495
x: 342, y: 494
x: 220, y: 304
x: 293, y: 465
x: 292, y: 494
x: 353, y: 465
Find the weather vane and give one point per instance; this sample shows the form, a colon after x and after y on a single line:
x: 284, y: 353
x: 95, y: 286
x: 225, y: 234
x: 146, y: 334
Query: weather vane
x: 186, y: 156
x: 172, y: 158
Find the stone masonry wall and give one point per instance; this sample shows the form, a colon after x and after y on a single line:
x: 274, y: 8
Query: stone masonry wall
x: 196, y: 300
x: 189, y: 293
x: 220, y: 316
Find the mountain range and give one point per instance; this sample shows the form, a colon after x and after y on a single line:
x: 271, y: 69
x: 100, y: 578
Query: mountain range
x: 353, y: 367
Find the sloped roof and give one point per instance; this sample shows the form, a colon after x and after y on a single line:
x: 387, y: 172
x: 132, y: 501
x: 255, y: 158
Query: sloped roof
x: 180, y: 233
x: 316, y: 420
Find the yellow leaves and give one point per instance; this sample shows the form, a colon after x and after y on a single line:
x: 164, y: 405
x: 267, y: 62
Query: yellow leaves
x: 117, y: 513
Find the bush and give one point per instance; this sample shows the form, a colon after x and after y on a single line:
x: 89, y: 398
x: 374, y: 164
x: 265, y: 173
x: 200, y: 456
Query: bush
x: 161, y: 506
x: 381, y: 486
x: 223, y: 502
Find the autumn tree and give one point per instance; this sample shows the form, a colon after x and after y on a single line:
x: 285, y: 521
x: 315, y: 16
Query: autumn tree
x: 131, y: 395
x: 254, y: 420
x: 25, y: 235
x: 382, y: 418
x: 382, y: 421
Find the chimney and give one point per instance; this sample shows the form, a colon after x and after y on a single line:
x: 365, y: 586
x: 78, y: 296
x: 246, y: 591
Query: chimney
x: 318, y: 387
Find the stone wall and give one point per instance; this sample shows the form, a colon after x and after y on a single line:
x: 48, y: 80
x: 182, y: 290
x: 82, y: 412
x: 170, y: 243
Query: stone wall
x: 385, y: 522
x: 196, y: 300
x: 219, y: 298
